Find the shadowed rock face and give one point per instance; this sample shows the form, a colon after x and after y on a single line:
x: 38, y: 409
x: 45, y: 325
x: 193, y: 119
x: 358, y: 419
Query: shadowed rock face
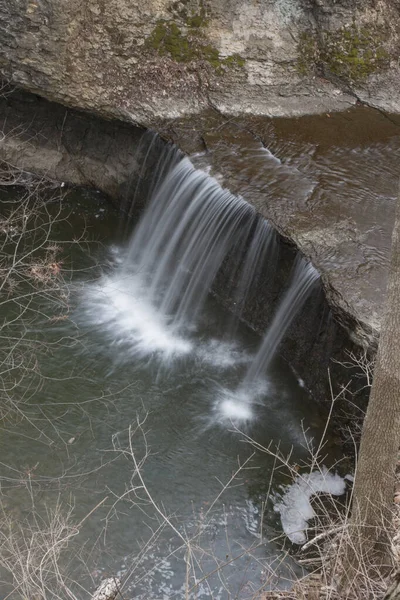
x: 66, y: 145
x: 164, y: 58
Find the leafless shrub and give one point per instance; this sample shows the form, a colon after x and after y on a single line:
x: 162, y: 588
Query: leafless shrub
x: 349, y: 414
x: 36, y: 553
x: 34, y: 285
x: 31, y: 552
x: 321, y: 555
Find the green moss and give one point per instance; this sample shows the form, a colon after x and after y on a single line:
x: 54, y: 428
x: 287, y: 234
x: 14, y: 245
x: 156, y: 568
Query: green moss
x: 234, y: 60
x: 211, y: 55
x: 352, y: 53
x: 169, y: 39
x: 197, y: 21
x: 308, y: 53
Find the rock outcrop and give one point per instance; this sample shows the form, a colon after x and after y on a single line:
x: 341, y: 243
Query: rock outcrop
x: 65, y: 145
x: 328, y: 183
x: 139, y: 61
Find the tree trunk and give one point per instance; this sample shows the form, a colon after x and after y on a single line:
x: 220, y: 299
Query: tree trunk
x: 370, y: 521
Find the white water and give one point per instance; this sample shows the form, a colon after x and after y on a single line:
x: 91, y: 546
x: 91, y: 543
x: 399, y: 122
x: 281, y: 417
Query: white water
x: 302, y: 281
x: 182, y: 239
x: 241, y: 403
x: 261, y: 249
x: 152, y: 302
x: 295, y: 507
x: 121, y: 305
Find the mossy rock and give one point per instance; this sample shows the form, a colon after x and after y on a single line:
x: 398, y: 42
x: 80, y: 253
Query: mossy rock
x: 351, y: 53
x: 355, y: 53
x: 167, y: 38
x: 170, y: 39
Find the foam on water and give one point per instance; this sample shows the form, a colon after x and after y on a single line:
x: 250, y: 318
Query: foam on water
x: 238, y: 407
x: 119, y: 304
x: 234, y: 410
x: 295, y: 507
x: 220, y: 354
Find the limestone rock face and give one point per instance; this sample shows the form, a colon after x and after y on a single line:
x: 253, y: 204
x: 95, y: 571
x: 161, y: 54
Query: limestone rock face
x: 140, y: 60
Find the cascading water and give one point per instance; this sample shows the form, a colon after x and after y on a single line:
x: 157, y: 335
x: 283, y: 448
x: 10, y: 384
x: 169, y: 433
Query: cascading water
x: 260, y: 249
x: 152, y: 303
x: 182, y: 239
x: 237, y: 405
x: 302, y: 281
x: 146, y: 184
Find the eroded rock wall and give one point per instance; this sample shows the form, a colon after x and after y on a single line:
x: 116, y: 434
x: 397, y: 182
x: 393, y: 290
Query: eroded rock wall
x: 66, y: 145
x: 163, y: 58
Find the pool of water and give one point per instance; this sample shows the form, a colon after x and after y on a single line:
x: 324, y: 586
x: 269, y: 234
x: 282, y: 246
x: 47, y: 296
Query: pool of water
x: 142, y: 433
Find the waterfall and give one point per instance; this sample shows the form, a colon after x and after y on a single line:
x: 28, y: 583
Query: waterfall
x: 261, y: 249
x: 145, y: 183
x: 302, y: 281
x: 184, y: 235
x: 152, y: 302
x: 238, y: 405
x: 190, y: 231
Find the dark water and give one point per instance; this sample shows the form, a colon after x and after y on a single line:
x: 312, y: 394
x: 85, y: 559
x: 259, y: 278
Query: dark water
x: 97, y: 412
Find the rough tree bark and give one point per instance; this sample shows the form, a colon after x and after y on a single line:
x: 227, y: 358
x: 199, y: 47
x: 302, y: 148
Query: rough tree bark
x: 375, y: 475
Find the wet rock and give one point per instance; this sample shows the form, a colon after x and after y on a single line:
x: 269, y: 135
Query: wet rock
x: 67, y: 146
x: 328, y: 183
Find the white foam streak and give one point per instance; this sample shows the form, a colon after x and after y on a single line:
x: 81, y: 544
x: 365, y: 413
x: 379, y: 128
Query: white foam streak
x: 295, y: 506
x: 238, y: 407
x: 222, y: 355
